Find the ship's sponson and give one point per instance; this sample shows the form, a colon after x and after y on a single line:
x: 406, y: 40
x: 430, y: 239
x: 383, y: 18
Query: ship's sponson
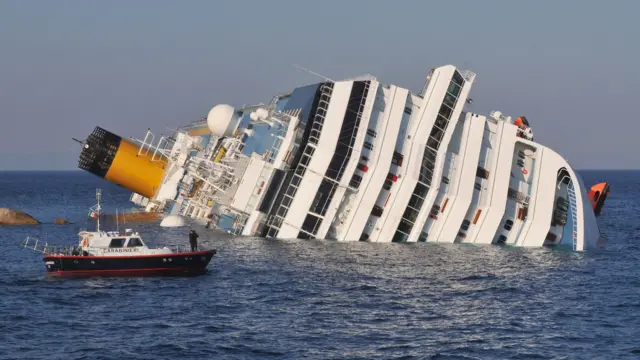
x: 120, y: 161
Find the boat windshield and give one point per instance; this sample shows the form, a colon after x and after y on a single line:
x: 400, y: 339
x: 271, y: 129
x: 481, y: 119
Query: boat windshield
x: 117, y: 243
x: 134, y: 242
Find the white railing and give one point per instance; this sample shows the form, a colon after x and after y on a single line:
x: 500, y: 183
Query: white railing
x: 34, y: 244
x: 144, y: 143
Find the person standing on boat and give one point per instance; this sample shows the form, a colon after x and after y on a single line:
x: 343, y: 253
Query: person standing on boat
x: 193, y: 240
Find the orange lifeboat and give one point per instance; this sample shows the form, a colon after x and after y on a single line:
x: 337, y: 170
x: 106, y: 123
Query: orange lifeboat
x: 597, y: 196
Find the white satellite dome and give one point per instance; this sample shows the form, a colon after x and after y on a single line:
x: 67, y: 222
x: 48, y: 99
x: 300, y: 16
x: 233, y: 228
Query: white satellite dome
x: 172, y: 221
x: 222, y: 120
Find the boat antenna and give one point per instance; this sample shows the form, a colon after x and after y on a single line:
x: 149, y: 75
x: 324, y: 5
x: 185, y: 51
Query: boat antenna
x: 98, y: 196
x: 312, y: 73
x: 117, y: 222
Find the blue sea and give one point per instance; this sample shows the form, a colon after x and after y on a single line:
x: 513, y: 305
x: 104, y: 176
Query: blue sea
x: 264, y: 299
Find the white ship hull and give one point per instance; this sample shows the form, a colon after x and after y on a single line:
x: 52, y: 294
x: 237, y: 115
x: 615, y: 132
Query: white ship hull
x: 356, y: 160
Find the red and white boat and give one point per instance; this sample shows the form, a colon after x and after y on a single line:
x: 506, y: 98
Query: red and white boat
x: 112, y: 253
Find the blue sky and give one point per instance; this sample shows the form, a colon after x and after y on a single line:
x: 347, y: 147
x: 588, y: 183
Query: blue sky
x: 66, y: 66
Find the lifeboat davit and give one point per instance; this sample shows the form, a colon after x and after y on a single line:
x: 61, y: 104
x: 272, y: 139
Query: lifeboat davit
x: 597, y: 195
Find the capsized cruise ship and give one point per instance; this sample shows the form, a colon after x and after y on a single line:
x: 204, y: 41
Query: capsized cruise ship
x: 357, y: 160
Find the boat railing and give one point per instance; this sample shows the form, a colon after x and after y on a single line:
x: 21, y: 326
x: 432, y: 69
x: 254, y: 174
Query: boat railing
x: 34, y: 243
x: 180, y: 248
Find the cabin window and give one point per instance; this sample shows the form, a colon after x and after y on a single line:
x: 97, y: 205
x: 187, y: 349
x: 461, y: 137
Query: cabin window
x: 306, y: 159
x: 117, y: 243
x: 435, y: 209
x: 450, y: 100
x: 355, y: 181
x: 376, y: 211
x: 477, y: 186
x: 368, y: 145
x: 501, y: 239
x: 309, y: 150
x: 445, y: 111
x: 397, y: 158
x: 295, y: 180
x: 371, y: 133
x: 508, y: 224
x: 482, y: 173
x: 407, y: 110
x: 387, y: 184
x: 454, y: 89
x: 134, y: 242
x: 465, y: 225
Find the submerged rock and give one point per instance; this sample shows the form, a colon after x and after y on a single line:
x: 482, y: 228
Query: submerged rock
x: 61, y: 221
x: 16, y: 217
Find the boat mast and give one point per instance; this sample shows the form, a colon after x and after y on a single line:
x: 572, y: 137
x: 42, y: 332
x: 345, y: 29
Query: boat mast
x: 98, y: 196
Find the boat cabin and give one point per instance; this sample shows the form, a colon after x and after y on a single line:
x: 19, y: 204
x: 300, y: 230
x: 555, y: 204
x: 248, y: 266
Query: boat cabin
x: 111, y: 239
x: 113, y: 243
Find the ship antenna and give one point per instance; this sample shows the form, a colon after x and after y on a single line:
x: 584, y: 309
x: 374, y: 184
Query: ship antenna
x: 313, y: 73
x: 117, y: 222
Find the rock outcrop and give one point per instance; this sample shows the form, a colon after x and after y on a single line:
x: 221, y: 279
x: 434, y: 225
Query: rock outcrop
x: 16, y: 217
x: 61, y: 221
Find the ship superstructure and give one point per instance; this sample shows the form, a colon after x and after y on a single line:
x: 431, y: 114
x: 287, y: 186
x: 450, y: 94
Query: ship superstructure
x: 357, y: 160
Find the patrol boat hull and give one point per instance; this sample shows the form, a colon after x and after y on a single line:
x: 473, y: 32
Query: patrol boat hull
x: 187, y: 263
